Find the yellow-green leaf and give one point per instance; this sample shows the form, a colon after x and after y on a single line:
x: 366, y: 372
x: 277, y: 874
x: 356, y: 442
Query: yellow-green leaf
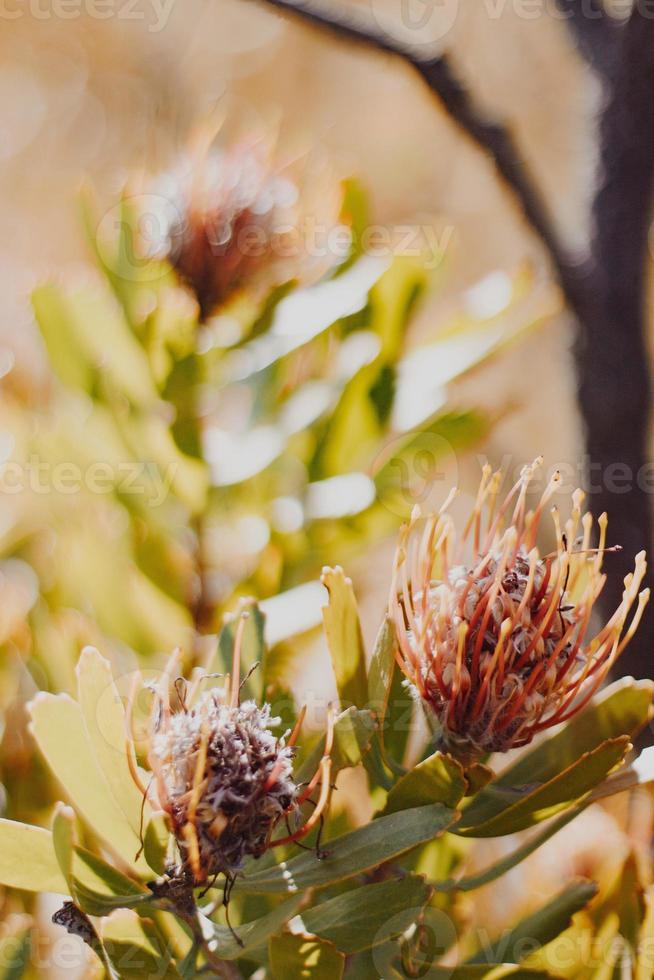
x: 41, y: 873
x: 438, y: 779
x: 136, y: 948
x: 344, y: 639
x: 104, y: 720
x: 304, y: 957
x: 59, y: 730
x: 63, y: 840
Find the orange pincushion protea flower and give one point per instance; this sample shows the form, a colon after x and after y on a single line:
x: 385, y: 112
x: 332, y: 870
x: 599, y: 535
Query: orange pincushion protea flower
x: 496, y: 647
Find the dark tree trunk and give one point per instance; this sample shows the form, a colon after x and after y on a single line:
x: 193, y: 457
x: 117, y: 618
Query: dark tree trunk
x: 612, y: 363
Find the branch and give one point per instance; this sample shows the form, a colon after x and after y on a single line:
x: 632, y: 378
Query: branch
x: 612, y: 360
x: 358, y: 26
x: 595, y: 32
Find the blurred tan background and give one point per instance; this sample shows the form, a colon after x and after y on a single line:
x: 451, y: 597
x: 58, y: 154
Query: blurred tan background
x: 93, y: 100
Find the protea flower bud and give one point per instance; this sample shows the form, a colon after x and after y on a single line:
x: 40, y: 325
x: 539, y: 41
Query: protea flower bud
x: 224, y: 214
x: 496, y: 645
x: 223, y: 778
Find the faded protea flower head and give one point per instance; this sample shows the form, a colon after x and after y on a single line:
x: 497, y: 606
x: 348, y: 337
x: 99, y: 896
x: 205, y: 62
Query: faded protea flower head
x: 225, y: 212
x: 496, y: 646
x: 223, y: 778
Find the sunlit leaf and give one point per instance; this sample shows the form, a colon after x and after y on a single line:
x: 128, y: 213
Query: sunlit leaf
x: 59, y: 730
x: 304, y: 957
x: 380, y: 673
x: 87, y: 329
x: 41, y: 873
x: 438, y: 779
x: 344, y: 639
x: 136, y: 948
x: 104, y: 720
x: 63, y: 841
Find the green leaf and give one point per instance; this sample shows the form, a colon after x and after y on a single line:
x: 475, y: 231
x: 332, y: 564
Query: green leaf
x: 104, y: 720
x: 41, y: 873
x: 438, y: 779
x: 136, y: 948
x: 382, y: 840
x: 251, y: 934
x: 63, y: 840
x: 304, y: 957
x: 99, y: 888
x: 540, y: 927
x: 353, y: 730
x: 380, y: 673
x: 252, y: 648
x: 370, y: 915
x: 155, y: 843
x: 59, y: 730
x: 344, y: 639
x: 622, y: 709
x: 517, y: 809
x: 87, y: 337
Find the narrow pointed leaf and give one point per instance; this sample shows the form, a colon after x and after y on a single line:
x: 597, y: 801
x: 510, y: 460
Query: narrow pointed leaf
x: 63, y: 841
x: 370, y: 915
x: 536, y: 802
x: 344, y: 639
x: 251, y: 934
x: 512, y: 860
x: 382, y: 840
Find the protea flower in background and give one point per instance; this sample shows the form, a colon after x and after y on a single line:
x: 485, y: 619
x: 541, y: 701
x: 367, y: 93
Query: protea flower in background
x: 495, y: 645
x: 224, y: 780
x: 225, y: 214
